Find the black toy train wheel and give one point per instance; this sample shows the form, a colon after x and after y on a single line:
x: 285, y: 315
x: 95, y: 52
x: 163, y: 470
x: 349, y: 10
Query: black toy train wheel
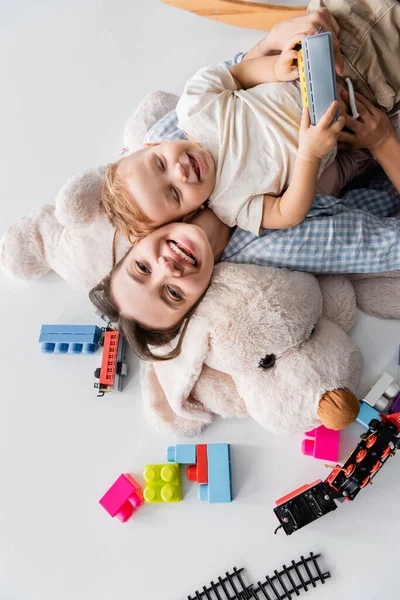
x: 350, y: 470
x: 386, y: 452
x: 97, y: 373
x: 371, y: 441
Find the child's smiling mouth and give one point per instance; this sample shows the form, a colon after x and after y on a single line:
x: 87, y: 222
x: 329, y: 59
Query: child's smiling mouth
x: 195, y: 166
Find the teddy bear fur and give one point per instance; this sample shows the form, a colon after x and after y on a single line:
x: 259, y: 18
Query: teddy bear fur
x: 249, y: 312
x: 75, y: 239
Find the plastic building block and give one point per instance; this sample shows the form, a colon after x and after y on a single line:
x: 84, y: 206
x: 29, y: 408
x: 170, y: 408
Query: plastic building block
x: 123, y: 497
x: 219, y: 486
x: 300, y: 575
x: 199, y: 471
x: 396, y: 405
x: 325, y: 443
x: 162, y: 483
x: 382, y: 394
x: 75, y: 339
x: 366, y: 413
x: 183, y: 454
x: 317, y: 74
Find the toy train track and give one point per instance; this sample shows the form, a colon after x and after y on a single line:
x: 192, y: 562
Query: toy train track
x: 312, y: 501
x: 283, y: 584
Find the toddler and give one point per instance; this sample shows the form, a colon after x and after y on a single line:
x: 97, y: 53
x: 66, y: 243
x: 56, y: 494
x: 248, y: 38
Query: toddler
x: 250, y: 152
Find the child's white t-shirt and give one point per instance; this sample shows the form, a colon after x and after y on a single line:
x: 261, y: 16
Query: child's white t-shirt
x: 252, y: 135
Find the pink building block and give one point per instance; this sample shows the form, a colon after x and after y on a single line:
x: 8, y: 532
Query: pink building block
x: 324, y: 443
x: 123, y: 497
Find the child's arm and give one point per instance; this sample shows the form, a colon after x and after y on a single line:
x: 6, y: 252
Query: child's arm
x: 374, y: 131
x: 266, y: 69
x: 292, y: 207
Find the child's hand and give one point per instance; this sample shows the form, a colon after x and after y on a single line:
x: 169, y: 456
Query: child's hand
x: 315, y: 141
x: 371, y: 130
x: 285, y: 67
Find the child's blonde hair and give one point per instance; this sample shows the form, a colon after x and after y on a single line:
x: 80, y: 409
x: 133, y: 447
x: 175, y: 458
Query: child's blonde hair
x: 121, y: 208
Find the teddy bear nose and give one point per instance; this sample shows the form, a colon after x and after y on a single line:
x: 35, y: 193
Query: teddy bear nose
x: 267, y: 362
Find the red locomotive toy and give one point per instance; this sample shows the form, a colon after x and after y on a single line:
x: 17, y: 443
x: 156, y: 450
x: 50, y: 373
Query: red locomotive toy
x: 113, y: 368
x: 310, y: 502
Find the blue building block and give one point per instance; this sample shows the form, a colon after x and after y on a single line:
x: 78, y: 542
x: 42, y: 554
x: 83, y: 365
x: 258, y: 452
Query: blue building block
x: 219, y: 486
x: 366, y: 413
x: 75, y: 339
x: 183, y: 454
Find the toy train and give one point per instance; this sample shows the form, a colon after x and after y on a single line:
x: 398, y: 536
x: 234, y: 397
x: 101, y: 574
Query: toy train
x: 113, y: 368
x: 317, y: 74
x: 312, y: 501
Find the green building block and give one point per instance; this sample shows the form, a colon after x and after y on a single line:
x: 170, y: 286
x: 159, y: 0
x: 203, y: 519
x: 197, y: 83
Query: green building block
x: 162, y: 483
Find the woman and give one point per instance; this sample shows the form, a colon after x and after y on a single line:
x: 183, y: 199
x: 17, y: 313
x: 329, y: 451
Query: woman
x: 161, y: 280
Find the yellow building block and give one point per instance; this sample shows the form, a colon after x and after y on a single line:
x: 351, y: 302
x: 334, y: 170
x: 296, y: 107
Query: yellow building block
x: 162, y: 483
x: 302, y: 78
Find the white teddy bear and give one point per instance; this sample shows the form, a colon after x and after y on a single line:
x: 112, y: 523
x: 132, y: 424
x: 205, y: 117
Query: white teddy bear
x: 75, y: 239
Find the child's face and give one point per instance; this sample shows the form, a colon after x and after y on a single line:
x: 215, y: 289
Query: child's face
x: 168, y: 181
x: 164, y: 275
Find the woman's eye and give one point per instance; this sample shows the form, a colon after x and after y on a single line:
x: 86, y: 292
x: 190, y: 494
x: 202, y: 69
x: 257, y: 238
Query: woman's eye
x: 141, y: 268
x: 176, y: 196
x: 174, y: 295
x: 160, y: 163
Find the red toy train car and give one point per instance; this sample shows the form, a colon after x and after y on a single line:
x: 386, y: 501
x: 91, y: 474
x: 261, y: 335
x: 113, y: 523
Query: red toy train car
x: 310, y: 502
x: 113, y: 368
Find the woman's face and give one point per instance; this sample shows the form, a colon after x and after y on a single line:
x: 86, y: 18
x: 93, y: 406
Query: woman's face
x: 164, y: 275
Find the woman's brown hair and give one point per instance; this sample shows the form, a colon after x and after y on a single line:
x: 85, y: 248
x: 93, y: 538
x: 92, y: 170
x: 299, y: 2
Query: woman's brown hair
x: 139, y: 337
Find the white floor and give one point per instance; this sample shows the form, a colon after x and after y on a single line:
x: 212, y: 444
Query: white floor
x: 71, y: 73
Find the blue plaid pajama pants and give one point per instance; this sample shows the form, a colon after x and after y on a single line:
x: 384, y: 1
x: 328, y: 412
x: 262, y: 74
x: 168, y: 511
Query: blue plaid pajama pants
x: 356, y: 233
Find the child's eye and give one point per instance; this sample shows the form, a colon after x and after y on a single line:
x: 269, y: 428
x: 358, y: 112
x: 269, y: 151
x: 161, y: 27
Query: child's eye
x: 174, y: 295
x: 141, y: 268
x: 160, y: 163
x: 176, y: 195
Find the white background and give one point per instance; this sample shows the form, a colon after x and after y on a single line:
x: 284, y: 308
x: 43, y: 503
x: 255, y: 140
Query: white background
x: 71, y: 74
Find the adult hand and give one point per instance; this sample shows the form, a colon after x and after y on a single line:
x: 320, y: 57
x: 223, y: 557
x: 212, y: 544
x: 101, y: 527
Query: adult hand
x: 371, y: 130
x: 307, y: 24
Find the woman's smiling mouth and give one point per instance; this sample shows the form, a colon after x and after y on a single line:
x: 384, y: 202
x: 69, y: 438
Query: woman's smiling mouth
x: 182, y: 252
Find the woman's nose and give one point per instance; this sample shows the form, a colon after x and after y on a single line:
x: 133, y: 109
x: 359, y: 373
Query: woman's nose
x: 181, y: 172
x: 169, y: 266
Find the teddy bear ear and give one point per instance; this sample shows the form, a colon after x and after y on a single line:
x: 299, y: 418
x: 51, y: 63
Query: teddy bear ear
x: 178, y: 376
x: 151, y: 109
x: 78, y: 203
x: 160, y: 413
x: 24, y: 245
